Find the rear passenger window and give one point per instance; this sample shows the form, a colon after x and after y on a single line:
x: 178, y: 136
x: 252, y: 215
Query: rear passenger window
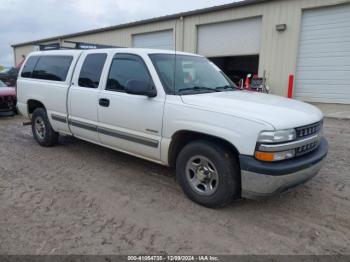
x: 53, y: 68
x: 91, y: 70
x: 126, y: 67
x: 28, y: 67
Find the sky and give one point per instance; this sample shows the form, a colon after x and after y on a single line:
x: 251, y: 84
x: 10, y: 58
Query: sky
x: 27, y: 20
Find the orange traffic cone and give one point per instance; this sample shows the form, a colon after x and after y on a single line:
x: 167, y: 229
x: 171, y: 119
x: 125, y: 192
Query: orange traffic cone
x: 247, y: 83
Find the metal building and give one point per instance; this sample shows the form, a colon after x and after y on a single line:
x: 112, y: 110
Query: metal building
x: 309, y: 39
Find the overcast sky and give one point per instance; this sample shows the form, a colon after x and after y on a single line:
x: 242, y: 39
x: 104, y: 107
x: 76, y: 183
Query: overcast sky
x: 26, y: 20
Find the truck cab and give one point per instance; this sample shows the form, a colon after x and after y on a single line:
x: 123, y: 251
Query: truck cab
x: 175, y: 109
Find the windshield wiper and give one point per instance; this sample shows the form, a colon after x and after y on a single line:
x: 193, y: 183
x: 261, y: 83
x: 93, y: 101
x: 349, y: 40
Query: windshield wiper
x: 198, y: 88
x: 225, y: 88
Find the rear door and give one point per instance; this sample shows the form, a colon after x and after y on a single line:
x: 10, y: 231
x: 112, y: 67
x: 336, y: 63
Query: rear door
x: 131, y: 123
x: 83, y: 95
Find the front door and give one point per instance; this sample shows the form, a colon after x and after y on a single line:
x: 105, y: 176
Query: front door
x: 130, y: 123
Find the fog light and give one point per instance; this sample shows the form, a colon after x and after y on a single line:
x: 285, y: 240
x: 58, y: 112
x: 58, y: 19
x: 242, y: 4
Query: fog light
x: 274, y: 156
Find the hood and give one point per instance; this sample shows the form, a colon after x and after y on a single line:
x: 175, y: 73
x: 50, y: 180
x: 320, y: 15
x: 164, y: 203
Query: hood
x: 280, y: 112
x: 7, y: 91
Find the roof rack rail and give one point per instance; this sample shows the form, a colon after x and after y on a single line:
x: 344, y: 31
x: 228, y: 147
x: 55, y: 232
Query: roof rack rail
x: 77, y: 45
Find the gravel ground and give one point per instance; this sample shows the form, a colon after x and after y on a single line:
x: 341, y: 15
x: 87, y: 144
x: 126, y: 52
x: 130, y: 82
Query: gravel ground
x: 79, y: 198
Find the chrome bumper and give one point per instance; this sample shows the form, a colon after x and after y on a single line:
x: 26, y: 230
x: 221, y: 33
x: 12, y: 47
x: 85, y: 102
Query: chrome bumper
x: 262, y: 179
x: 255, y: 185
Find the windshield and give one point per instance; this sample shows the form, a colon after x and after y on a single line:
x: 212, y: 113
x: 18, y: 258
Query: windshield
x: 2, y: 84
x: 192, y: 74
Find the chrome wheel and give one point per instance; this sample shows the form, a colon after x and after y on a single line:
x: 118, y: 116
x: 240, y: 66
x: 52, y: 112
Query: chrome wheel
x: 39, y: 126
x: 202, y: 175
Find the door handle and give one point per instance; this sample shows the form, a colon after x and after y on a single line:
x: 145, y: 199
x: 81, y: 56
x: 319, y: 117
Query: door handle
x: 104, y: 102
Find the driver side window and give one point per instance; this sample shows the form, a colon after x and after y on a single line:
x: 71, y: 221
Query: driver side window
x: 125, y: 68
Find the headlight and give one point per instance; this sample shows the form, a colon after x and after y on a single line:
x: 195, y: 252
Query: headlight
x: 277, y: 136
x: 274, y: 156
x: 273, y: 137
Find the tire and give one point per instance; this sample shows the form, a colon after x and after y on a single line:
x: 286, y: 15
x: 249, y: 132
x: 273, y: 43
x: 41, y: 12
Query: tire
x: 208, y: 174
x: 43, y: 133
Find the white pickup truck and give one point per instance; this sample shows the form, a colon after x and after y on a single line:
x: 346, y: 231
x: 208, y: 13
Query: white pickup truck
x: 176, y: 110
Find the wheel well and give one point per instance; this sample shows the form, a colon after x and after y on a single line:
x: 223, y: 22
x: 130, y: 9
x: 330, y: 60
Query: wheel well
x: 34, y: 104
x: 182, y: 138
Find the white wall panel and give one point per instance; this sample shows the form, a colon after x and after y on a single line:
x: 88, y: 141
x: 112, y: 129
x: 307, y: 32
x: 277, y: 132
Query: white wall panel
x: 155, y: 40
x: 323, y: 69
x: 241, y: 37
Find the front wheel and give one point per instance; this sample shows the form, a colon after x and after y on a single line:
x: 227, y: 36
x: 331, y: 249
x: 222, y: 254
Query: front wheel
x: 208, y: 173
x: 42, y: 130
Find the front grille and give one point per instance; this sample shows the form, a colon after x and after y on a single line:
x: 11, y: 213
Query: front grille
x: 305, y: 132
x: 299, y: 151
x: 309, y: 130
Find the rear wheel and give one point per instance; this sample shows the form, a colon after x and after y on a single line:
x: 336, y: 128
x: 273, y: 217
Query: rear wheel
x: 208, y: 173
x: 42, y: 130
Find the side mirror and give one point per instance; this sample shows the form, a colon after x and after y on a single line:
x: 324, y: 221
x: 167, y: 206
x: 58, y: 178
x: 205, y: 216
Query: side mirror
x: 137, y: 87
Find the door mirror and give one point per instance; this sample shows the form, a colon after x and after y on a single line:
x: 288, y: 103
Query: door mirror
x: 137, y: 87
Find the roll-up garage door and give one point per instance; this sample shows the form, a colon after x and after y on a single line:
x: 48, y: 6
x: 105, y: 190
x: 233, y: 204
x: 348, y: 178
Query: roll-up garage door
x: 235, y: 38
x: 154, y: 40
x: 323, y: 69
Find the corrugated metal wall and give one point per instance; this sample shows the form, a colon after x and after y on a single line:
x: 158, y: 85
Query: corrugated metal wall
x: 120, y: 37
x: 279, y: 50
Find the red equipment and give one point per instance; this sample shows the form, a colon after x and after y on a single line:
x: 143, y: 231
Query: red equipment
x: 290, y: 86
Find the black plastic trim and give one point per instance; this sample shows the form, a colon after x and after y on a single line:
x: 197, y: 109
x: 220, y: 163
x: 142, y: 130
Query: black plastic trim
x: 250, y: 164
x: 132, y: 138
x: 117, y: 134
x: 61, y: 119
x: 83, y: 125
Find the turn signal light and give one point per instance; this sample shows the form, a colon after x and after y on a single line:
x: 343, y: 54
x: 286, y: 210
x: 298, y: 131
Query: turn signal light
x: 274, y: 156
x: 263, y: 156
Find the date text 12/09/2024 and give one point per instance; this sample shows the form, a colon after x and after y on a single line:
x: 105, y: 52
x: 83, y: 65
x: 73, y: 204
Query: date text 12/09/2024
x: 173, y: 258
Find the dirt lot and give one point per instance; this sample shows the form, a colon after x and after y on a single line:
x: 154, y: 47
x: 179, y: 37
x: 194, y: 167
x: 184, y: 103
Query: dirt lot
x: 79, y: 198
